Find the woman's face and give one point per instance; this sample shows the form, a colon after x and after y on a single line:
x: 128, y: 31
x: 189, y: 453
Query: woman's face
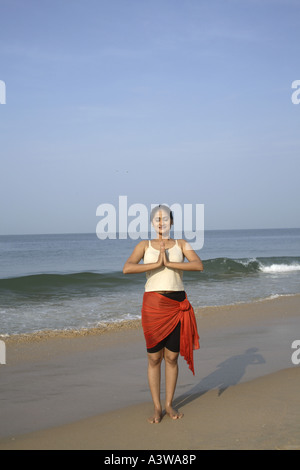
x: 162, y: 223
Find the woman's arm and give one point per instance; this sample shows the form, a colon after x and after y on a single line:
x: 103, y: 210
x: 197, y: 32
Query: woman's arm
x: 132, y: 265
x: 194, y: 262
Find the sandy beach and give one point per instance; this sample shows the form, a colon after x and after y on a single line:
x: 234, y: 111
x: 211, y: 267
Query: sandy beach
x: 88, y: 389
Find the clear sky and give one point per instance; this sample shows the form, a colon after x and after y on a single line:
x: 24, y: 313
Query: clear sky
x: 168, y: 101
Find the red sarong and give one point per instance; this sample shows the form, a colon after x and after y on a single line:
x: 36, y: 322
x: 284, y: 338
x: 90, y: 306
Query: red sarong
x: 160, y: 315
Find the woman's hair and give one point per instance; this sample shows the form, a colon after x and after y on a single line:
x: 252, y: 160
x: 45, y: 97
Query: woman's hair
x: 161, y: 207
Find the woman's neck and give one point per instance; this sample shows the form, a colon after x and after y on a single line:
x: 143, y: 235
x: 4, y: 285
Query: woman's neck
x: 162, y: 237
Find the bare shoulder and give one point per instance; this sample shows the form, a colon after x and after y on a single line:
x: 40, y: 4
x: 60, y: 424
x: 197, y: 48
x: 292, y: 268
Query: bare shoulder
x: 182, y: 243
x: 186, y: 248
x: 142, y: 246
x: 138, y: 252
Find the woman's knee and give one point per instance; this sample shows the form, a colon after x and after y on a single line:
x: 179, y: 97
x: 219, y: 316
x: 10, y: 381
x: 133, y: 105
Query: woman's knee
x: 171, y: 357
x: 154, y: 359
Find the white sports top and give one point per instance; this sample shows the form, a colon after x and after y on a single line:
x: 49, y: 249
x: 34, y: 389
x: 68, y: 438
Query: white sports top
x: 163, y: 278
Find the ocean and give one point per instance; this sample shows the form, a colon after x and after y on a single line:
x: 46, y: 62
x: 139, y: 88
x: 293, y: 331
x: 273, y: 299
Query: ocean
x: 74, y: 281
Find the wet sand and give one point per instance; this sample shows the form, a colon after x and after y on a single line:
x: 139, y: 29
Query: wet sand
x: 88, y: 390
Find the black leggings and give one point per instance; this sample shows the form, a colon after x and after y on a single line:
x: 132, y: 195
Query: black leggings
x: 172, y: 341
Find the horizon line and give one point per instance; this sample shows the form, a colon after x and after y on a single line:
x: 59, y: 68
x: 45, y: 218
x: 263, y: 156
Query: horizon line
x: 94, y: 233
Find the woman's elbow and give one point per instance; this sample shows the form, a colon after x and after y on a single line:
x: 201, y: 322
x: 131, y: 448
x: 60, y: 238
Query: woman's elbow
x: 200, y: 267
x: 125, y: 269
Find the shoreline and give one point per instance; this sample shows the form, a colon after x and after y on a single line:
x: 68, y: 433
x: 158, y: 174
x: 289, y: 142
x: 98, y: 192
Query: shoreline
x: 82, y: 391
x: 109, y: 327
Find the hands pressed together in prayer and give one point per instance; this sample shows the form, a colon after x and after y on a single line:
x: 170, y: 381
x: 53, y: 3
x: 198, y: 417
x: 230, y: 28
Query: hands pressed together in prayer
x: 162, y: 259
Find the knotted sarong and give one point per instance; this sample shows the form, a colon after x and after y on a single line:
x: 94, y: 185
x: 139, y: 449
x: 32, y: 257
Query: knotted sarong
x: 160, y: 315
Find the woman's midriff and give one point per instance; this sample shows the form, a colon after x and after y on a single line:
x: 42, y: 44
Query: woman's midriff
x: 164, y: 291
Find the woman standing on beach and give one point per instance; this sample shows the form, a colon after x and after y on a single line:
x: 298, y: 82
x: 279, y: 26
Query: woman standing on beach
x: 167, y: 316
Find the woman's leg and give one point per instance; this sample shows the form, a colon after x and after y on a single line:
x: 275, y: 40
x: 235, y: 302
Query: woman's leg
x: 154, y: 377
x: 171, y: 360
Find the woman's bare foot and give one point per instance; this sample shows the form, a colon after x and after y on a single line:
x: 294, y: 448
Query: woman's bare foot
x: 157, y: 416
x: 173, y: 413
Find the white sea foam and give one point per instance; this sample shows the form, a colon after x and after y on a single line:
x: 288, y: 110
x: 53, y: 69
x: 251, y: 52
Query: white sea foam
x: 280, y: 268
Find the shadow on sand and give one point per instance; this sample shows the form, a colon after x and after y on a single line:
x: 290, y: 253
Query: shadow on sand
x: 228, y: 373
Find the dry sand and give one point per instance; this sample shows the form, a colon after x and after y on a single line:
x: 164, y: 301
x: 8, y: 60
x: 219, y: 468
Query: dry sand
x: 90, y: 391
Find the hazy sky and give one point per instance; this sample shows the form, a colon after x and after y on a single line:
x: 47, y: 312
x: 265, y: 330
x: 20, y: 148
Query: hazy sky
x: 174, y: 101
